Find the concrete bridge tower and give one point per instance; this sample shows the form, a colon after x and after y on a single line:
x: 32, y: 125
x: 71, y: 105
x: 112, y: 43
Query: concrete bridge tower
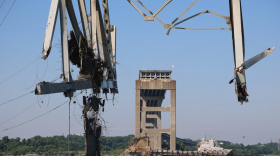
x: 150, y: 91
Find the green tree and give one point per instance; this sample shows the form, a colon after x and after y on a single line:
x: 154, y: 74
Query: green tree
x: 23, y: 141
x: 6, y: 139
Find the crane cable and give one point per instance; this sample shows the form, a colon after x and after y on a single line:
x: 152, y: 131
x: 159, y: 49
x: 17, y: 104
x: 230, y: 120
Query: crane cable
x: 17, y: 98
x: 2, y: 4
x: 69, y: 123
x: 24, y: 94
x: 20, y: 113
x: 19, y: 70
x: 38, y: 116
x: 8, y: 12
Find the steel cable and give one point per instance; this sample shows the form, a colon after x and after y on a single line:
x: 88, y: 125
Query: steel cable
x: 2, y: 4
x: 8, y: 12
x: 19, y: 70
x: 38, y: 116
x: 20, y: 112
x: 17, y: 98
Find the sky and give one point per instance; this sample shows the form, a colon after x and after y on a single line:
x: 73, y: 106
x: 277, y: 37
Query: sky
x: 203, y: 66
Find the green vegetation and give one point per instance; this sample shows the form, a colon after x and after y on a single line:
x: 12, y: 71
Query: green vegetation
x: 40, y: 145
x: 59, y: 145
x: 181, y: 146
x: 114, y: 145
x: 110, y: 145
x: 252, y: 150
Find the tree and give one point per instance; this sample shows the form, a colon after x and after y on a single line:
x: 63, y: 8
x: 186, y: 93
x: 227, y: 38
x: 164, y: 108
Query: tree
x: 13, y: 152
x: 6, y: 139
x: 23, y: 141
x: 28, y: 142
x: 39, y: 150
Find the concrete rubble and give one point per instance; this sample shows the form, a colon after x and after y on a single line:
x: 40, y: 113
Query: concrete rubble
x: 138, y: 145
x: 211, y: 146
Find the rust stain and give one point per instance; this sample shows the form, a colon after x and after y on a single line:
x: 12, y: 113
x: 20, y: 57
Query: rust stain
x: 47, y: 53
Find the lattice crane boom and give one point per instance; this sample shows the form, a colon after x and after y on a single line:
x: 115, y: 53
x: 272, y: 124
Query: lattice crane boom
x: 100, y: 37
x: 93, y: 51
x: 235, y: 22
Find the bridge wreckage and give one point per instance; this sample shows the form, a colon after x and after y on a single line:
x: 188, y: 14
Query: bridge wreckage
x: 93, y: 50
x: 235, y: 22
x: 141, y: 146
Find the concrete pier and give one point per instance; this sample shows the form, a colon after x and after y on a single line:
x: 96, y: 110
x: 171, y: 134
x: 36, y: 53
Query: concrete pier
x: 150, y: 91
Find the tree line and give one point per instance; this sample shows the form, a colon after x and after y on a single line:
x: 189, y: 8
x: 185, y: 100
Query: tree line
x: 59, y: 145
x: 251, y: 150
x: 110, y: 145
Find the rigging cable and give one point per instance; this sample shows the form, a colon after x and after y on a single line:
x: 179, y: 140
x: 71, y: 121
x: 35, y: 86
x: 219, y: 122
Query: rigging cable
x: 7, y: 13
x: 24, y: 94
x: 17, y: 98
x: 69, y: 124
x: 2, y: 4
x: 38, y: 116
x: 20, y: 112
x: 19, y: 70
x: 29, y: 108
x: 26, y: 67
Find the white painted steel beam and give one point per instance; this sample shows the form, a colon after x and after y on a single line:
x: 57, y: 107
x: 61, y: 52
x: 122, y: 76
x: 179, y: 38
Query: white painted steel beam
x: 109, y: 30
x: 237, y: 32
x: 129, y: 1
x: 106, y: 17
x: 103, y: 49
x: 183, y: 12
x: 114, y: 54
x: 167, y: 2
x: 247, y: 64
x: 50, y: 88
x: 114, y: 48
x: 153, y: 15
x: 97, y: 29
x: 238, y: 48
x: 64, y: 42
x: 84, y: 19
x: 150, y: 12
x: 93, y: 26
x: 50, y: 28
x: 73, y: 19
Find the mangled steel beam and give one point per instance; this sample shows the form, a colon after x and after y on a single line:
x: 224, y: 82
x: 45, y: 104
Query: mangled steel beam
x: 50, y: 88
x: 93, y: 21
x: 91, y: 126
x: 102, y: 45
x: 73, y: 19
x: 66, y: 75
x: 90, y: 138
x: 236, y: 25
x: 100, y: 39
x: 84, y: 20
x: 50, y: 28
x: 238, y: 48
x: 153, y: 15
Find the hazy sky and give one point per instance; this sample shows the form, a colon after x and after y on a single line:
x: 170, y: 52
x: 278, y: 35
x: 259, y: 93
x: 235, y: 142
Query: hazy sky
x: 203, y: 61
